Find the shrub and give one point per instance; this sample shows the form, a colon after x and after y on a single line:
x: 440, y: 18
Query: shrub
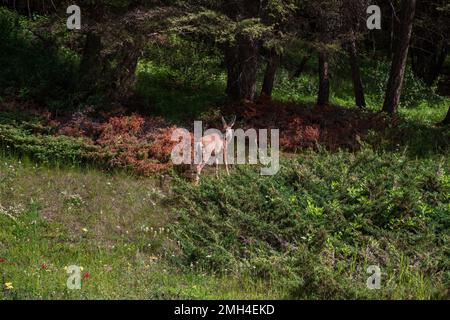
x: 136, y: 143
x: 49, y: 149
x: 321, y: 221
x: 34, y: 69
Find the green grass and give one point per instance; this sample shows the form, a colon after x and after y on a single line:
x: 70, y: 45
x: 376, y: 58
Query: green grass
x: 419, y: 103
x: 165, y: 92
x: 310, y: 232
x: 181, y: 79
x: 111, y: 225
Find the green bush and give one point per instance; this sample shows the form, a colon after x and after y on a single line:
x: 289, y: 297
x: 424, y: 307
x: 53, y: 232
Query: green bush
x: 329, y: 214
x: 32, y: 68
x: 47, y: 148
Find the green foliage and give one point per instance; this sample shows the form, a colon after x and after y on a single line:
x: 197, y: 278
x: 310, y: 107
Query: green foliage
x: 302, y: 89
x: 206, y: 24
x: 308, y: 232
x: 414, y: 92
x: 419, y: 103
x: 321, y: 221
x: 32, y: 68
x: 221, y: 22
x: 47, y: 148
x: 414, y: 137
x: 181, y: 78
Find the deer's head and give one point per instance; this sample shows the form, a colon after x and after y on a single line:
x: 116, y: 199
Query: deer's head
x: 228, y: 128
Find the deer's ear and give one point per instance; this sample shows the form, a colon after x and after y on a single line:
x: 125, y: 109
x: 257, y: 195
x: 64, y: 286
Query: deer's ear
x: 233, y: 121
x: 224, y: 122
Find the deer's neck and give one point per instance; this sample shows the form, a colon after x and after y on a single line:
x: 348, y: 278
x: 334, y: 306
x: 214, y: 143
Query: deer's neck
x: 228, y: 136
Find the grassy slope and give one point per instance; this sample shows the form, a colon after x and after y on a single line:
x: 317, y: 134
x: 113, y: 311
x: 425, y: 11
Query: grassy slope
x: 322, y: 220
x: 116, y: 227
x: 111, y: 225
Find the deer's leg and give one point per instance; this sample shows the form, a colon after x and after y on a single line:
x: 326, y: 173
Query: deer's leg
x: 225, y: 159
x: 199, y: 171
x: 217, y: 167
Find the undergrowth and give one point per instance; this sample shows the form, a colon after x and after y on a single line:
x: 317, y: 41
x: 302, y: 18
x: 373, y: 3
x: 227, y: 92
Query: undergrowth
x: 321, y: 221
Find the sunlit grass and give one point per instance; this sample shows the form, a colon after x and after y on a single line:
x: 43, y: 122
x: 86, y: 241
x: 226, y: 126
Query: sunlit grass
x: 112, y: 225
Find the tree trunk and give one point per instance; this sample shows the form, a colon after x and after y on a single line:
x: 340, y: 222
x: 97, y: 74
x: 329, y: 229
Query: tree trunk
x: 242, y: 66
x: 91, y: 65
x: 231, y: 61
x: 269, y: 76
x: 113, y: 75
x: 356, y: 74
x: 397, y: 73
x: 124, y: 75
x: 323, y: 97
x: 438, y: 61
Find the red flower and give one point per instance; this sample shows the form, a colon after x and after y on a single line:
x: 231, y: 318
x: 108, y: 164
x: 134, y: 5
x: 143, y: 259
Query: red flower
x: 86, y: 275
x: 2, y: 260
x: 44, y: 267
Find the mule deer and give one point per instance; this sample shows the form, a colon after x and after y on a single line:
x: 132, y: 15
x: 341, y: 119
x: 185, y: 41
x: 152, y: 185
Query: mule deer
x: 214, y: 145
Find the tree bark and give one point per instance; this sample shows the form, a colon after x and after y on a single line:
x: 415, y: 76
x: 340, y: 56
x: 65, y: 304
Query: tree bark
x: 91, y: 64
x: 356, y: 74
x: 323, y: 97
x: 124, y: 75
x: 113, y: 75
x: 438, y: 61
x: 398, y: 67
x: 231, y: 61
x: 269, y: 76
x: 242, y: 66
